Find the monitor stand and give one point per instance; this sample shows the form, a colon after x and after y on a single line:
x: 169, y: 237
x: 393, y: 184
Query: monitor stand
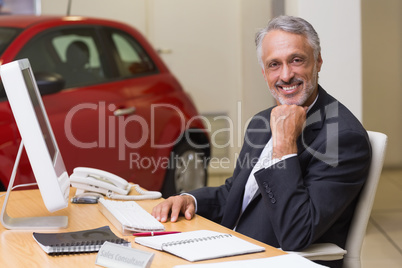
x: 49, y: 222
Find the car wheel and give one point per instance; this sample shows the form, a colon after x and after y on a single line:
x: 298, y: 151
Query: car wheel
x: 187, y: 170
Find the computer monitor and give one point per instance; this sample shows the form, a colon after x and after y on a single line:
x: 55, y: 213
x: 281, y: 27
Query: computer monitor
x: 40, y: 145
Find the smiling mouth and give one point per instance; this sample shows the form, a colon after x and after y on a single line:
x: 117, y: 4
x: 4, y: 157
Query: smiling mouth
x: 290, y: 88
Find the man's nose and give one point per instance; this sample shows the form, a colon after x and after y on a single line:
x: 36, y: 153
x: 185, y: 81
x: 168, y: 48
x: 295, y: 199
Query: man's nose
x: 286, y: 73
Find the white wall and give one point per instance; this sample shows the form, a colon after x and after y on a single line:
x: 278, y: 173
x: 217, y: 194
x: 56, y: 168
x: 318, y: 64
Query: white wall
x: 204, y: 48
x: 382, y: 73
x: 132, y: 12
x: 338, y: 23
x: 255, y: 95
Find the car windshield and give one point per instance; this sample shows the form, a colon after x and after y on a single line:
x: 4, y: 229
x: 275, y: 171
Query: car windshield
x: 6, y: 36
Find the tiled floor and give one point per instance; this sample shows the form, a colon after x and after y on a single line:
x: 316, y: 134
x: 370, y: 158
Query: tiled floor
x: 383, y: 242
x: 382, y: 245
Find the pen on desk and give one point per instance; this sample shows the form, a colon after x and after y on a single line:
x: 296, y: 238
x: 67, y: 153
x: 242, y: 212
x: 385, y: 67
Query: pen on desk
x: 154, y: 233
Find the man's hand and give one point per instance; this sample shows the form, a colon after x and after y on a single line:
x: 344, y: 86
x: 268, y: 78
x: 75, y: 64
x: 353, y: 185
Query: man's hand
x: 184, y: 204
x: 287, y: 123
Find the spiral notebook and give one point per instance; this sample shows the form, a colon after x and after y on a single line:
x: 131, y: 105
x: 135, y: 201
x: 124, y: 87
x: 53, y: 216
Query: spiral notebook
x: 76, y: 242
x: 200, y: 245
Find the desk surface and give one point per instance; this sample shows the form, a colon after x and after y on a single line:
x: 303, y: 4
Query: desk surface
x: 18, y: 248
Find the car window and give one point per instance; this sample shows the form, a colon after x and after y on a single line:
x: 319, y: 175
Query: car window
x: 6, y: 36
x: 73, y: 53
x: 62, y: 43
x: 131, y: 57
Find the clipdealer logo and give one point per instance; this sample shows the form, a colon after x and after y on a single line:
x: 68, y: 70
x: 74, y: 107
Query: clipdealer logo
x: 112, y: 133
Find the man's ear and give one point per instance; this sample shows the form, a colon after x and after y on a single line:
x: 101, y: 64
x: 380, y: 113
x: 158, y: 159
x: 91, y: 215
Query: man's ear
x: 263, y: 74
x: 319, y: 62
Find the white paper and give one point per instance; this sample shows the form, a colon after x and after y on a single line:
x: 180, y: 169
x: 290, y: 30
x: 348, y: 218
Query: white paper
x: 288, y: 260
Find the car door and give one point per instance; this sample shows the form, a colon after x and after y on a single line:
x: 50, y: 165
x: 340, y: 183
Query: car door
x: 141, y: 87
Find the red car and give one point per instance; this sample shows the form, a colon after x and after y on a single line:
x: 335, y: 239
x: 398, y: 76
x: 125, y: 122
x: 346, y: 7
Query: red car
x: 112, y: 103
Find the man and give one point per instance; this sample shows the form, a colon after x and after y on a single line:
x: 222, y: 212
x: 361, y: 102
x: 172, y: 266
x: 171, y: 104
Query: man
x: 303, y: 162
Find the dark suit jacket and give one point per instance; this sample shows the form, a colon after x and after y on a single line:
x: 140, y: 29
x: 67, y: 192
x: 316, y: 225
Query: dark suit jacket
x: 301, y: 200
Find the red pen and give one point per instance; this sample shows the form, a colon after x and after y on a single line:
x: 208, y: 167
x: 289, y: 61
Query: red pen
x: 154, y: 233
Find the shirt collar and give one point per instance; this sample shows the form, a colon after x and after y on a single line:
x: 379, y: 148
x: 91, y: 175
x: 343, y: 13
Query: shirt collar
x: 308, y: 109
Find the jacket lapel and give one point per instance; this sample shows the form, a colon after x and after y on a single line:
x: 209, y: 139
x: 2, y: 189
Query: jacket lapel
x: 252, y: 148
x: 314, y: 121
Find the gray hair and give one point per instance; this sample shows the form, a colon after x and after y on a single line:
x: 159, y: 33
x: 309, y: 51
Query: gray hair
x: 292, y: 25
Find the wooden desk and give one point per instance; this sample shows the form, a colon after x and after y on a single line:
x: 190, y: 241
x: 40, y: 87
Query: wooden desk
x: 19, y: 249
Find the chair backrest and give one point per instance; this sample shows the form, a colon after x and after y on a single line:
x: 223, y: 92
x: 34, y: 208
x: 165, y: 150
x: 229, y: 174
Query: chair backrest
x: 365, y: 204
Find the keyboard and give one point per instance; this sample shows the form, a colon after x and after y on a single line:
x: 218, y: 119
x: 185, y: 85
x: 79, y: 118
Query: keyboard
x: 129, y: 217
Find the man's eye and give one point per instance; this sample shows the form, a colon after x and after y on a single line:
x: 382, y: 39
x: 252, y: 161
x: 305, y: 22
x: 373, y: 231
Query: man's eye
x: 297, y: 61
x: 272, y: 65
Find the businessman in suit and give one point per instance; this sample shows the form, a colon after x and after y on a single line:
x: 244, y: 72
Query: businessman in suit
x: 303, y: 162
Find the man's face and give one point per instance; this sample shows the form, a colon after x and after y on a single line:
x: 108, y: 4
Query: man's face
x: 291, y: 72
